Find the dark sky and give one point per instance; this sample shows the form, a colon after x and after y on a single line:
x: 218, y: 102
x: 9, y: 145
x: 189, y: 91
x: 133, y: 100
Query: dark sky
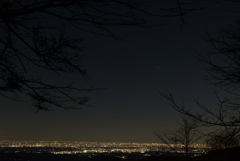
x: 134, y: 69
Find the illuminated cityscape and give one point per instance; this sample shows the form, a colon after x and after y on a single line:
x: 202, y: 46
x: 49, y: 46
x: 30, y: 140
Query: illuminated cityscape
x: 94, y: 148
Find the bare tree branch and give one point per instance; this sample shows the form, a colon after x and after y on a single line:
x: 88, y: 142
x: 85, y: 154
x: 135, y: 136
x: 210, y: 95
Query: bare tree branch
x: 37, y: 34
x: 186, y: 134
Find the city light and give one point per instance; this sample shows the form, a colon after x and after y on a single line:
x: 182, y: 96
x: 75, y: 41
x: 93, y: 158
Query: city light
x: 90, y: 148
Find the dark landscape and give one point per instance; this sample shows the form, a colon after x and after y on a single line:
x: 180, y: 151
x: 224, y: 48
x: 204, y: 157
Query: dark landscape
x: 119, y: 80
x: 231, y: 154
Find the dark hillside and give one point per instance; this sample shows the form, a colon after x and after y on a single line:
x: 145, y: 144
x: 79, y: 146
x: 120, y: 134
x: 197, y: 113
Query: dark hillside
x: 231, y: 154
x: 22, y: 156
x: 162, y: 158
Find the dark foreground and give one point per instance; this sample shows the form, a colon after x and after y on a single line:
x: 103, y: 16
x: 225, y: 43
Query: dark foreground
x: 232, y: 154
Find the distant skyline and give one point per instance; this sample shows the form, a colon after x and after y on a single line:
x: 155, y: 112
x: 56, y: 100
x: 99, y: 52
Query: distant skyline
x: 134, y: 69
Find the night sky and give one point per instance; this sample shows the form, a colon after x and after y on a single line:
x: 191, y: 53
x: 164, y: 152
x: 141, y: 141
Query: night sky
x: 134, y: 69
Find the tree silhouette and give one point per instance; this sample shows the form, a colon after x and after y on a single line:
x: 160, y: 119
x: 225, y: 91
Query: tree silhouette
x: 36, y: 36
x: 223, y: 66
x: 224, y: 137
x: 223, y: 72
x: 186, y: 134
